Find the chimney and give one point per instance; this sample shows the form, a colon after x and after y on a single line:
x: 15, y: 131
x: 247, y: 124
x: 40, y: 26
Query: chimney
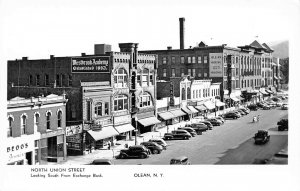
x: 51, y: 57
x: 169, y: 47
x: 181, y: 32
x: 102, y: 48
x: 83, y: 54
x: 24, y: 58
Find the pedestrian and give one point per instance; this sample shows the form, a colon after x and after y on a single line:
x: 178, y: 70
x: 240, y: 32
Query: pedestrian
x: 108, y: 145
x: 90, y: 148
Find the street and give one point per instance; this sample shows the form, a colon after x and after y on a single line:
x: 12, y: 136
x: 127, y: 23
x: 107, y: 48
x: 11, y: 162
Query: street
x: 230, y: 143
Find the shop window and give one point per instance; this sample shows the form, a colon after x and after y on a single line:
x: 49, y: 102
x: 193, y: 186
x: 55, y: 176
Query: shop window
x: 36, y: 121
x: 145, y: 100
x: 121, y: 103
x: 23, y: 124
x: 37, y: 80
x: 30, y: 80
x: 47, y: 80
x: 9, y: 130
x: 183, y: 97
x: 48, y: 120
x: 164, y: 72
x: 59, y: 119
x: 188, y: 93
x: 120, y: 78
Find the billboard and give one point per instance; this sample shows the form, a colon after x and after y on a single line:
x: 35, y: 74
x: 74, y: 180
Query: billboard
x: 95, y: 64
x: 215, y: 65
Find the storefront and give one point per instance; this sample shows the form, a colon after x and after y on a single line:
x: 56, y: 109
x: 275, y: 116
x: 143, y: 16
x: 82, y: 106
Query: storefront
x: 210, y: 106
x: 166, y: 118
x: 75, y: 140
x: 202, y: 109
x: 189, y: 113
x: 219, y: 105
x: 179, y: 116
x: 53, y: 146
x: 235, y: 101
x: 123, y: 126
x: 98, y: 138
x: 147, y: 124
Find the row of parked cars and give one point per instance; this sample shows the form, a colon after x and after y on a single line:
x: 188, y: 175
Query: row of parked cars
x: 271, y: 103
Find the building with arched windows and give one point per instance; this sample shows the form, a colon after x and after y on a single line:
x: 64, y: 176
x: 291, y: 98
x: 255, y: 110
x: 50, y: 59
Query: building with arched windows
x: 110, y: 93
x: 36, y: 130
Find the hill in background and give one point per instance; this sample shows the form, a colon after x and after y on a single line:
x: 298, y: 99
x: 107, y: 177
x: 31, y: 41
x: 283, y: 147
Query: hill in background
x: 281, y: 49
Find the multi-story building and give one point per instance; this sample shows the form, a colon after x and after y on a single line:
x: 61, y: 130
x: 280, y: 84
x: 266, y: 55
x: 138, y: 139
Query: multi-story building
x: 36, y: 130
x: 108, y: 91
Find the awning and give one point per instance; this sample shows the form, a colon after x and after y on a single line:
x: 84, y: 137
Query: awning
x: 209, y: 105
x: 219, y: 104
x: 193, y: 109
x: 201, y: 107
x: 149, y: 121
x: 263, y: 92
x: 235, y: 99
x: 124, y: 128
x: 275, y: 77
x: 186, y: 110
x: 269, y: 91
x: 178, y: 112
x: 105, y: 132
x: 240, y: 98
x: 166, y: 115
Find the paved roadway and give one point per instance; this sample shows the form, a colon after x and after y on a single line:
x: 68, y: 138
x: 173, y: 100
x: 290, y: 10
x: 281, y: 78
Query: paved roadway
x: 231, y: 143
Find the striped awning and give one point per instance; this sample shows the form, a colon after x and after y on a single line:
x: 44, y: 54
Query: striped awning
x: 177, y: 112
x: 201, y: 107
x: 186, y: 110
x: 193, y: 109
x: 166, y: 115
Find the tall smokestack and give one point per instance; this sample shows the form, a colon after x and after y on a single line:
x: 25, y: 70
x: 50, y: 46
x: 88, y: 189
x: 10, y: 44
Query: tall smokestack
x: 181, y: 32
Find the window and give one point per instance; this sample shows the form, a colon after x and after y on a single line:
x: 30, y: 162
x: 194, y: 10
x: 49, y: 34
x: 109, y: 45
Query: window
x: 59, y: 119
x: 164, y: 60
x: 145, y: 77
x: 48, y: 120
x: 194, y: 94
x: 173, y: 72
x: 237, y: 84
x: 106, y: 108
x: 9, y: 130
x: 164, y: 72
x: 151, y: 80
x: 57, y: 80
x: 189, y: 59
x: 70, y: 80
x: 190, y: 72
x: 98, y: 109
x: 236, y: 60
x: 237, y: 71
x: 36, y: 121
x: 23, y: 124
x: 194, y: 72
x: 121, y: 103
x: 183, y: 94
x: 182, y: 71
x: 47, y: 80
x: 173, y: 59
x: 120, y: 78
x: 225, y: 71
x: 145, y: 100
x: 139, y: 82
x: 199, y: 74
x: 199, y: 60
x: 188, y: 93
x: 182, y: 59
x: 63, y: 79
x: 205, y: 59
x: 205, y: 74
x: 37, y: 80
x: 30, y: 80
x: 193, y: 59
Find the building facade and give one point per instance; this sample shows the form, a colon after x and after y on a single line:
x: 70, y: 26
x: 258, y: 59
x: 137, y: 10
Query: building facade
x: 36, y: 130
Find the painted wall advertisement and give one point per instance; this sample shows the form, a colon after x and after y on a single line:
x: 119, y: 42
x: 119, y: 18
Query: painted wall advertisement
x: 215, y: 65
x: 95, y: 64
x: 17, y: 149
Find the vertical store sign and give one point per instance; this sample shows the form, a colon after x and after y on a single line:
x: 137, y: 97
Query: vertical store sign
x: 95, y: 64
x: 215, y: 65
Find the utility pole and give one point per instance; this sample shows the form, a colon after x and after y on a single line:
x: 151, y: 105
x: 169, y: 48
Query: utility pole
x: 229, y: 75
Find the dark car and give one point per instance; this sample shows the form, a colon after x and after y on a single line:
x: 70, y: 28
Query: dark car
x: 241, y: 112
x: 137, y: 151
x: 101, y: 162
x: 260, y: 104
x: 220, y: 118
x: 159, y: 141
x: 190, y: 130
x: 253, y: 107
x: 247, y: 111
x: 215, y: 122
x: 199, y: 127
x: 208, y: 124
x: 283, y: 124
x: 231, y: 115
x: 177, y: 134
x: 153, y: 147
x: 266, y: 107
x: 183, y: 160
x: 261, y: 137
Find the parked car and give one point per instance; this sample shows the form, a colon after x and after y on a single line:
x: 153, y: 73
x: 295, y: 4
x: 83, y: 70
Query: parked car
x: 260, y: 104
x: 153, y: 147
x: 283, y: 124
x: 266, y: 107
x: 220, y: 118
x: 284, y: 106
x: 261, y: 137
x: 279, y: 158
x: 190, y: 130
x: 238, y: 113
x: 101, y: 162
x: 253, y: 107
x: 208, y: 124
x: 247, y: 111
x: 215, y: 122
x: 231, y: 115
x: 279, y: 104
x: 241, y: 112
x: 177, y: 134
x: 159, y: 141
x: 136, y: 151
x: 183, y: 160
x: 199, y: 127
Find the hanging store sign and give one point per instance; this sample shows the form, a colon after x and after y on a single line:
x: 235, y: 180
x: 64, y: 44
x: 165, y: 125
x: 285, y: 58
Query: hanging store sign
x: 215, y: 65
x: 98, y: 64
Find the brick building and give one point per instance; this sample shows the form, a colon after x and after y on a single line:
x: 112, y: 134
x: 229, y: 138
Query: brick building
x: 108, y: 91
x: 36, y: 130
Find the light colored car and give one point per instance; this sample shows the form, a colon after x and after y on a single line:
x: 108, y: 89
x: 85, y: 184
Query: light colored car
x: 159, y: 141
x: 285, y: 106
x: 183, y: 160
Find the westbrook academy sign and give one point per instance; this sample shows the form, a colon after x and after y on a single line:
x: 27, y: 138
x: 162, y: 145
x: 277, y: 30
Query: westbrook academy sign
x: 99, y: 64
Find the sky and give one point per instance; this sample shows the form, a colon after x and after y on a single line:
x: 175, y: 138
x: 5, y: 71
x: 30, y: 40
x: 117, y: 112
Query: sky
x: 37, y: 29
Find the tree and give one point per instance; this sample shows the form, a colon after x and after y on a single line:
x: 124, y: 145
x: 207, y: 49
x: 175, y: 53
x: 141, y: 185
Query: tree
x: 284, y: 69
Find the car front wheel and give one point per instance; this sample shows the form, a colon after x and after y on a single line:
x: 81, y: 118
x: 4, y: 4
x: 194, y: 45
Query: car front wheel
x: 155, y: 151
x: 143, y: 156
x: 122, y: 156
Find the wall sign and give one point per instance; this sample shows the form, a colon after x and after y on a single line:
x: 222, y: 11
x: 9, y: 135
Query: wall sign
x: 95, y: 64
x: 74, y: 129
x: 215, y: 65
